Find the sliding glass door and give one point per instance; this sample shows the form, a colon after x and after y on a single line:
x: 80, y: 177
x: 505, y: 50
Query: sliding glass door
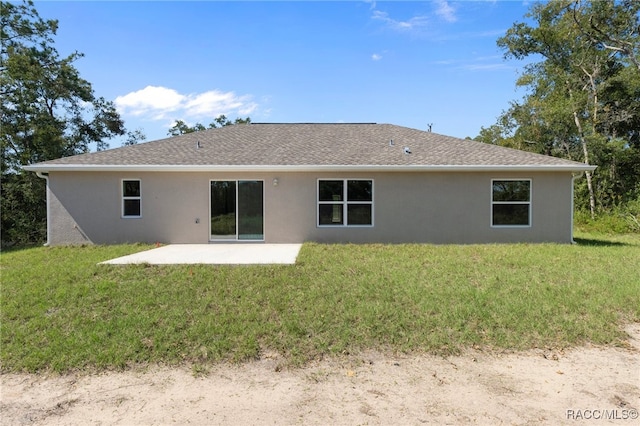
x: 237, y: 210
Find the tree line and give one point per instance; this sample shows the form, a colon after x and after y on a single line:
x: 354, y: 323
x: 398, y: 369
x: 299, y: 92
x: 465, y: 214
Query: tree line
x: 582, y: 97
x: 582, y: 103
x: 47, y: 111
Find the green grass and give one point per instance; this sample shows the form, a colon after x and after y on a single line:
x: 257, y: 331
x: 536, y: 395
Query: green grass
x: 60, y: 311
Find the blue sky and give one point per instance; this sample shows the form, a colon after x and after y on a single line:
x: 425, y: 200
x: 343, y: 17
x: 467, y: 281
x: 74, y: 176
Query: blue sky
x: 407, y: 63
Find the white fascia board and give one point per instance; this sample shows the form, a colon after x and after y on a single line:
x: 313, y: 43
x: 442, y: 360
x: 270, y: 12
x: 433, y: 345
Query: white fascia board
x: 306, y: 168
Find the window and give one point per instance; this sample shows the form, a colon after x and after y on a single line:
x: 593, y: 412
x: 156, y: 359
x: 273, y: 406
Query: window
x: 345, y: 202
x: 511, y: 202
x: 131, y: 199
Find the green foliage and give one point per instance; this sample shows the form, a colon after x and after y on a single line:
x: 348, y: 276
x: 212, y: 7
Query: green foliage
x: 180, y: 127
x: 583, y: 99
x: 47, y: 111
x: 23, y: 209
x: 134, y: 137
x: 61, y: 311
x: 621, y: 219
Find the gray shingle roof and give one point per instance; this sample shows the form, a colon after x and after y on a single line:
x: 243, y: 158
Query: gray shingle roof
x: 311, y: 146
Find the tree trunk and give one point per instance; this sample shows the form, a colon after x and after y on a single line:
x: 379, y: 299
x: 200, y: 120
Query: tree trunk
x: 585, y: 151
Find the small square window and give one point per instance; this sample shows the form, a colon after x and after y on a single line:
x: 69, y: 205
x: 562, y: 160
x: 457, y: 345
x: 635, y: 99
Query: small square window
x: 331, y: 190
x: 131, y: 207
x: 330, y: 214
x: 131, y: 188
x: 360, y: 190
x: 359, y: 214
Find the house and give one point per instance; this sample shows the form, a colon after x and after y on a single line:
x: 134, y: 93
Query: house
x: 290, y: 183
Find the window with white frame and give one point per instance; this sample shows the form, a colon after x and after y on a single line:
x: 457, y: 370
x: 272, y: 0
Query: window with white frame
x: 345, y: 202
x: 131, y: 199
x: 511, y: 202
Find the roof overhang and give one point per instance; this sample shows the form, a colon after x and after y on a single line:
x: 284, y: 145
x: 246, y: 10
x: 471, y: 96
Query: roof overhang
x: 47, y: 168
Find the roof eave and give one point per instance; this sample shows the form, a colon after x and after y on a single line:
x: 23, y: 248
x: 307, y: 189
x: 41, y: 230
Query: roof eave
x: 46, y: 168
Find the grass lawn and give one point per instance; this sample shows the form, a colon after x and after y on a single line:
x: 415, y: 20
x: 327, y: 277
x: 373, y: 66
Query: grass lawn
x: 60, y: 311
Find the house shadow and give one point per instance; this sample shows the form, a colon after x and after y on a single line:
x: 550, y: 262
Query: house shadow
x: 599, y: 243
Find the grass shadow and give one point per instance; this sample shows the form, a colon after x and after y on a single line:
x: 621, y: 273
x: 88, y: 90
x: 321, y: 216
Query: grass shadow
x: 20, y: 247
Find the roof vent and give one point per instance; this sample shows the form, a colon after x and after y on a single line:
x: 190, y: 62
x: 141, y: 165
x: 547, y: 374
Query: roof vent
x: 391, y: 142
x: 407, y: 150
x: 198, y: 146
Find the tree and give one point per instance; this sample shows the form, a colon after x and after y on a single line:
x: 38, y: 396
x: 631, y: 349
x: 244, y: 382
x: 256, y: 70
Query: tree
x: 610, y: 26
x: 47, y: 111
x: 583, y: 98
x: 134, y: 137
x: 180, y: 127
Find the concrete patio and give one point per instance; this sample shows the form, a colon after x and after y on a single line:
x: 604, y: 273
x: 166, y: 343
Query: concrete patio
x: 214, y: 254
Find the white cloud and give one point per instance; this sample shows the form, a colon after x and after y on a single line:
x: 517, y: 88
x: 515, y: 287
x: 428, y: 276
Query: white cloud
x: 445, y: 11
x: 411, y: 24
x: 376, y: 57
x: 442, y: 9
x: 161, y: 103
x: 150, y: 100
x: 210, y: 102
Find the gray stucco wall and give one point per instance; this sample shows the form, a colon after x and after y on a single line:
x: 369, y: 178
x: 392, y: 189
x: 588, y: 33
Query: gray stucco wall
x: 85, y: 207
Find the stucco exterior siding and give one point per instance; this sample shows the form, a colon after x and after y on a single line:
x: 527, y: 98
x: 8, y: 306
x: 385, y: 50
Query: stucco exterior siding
x: 88, y: 208
x: 424, y: 207
x: 434, y: 208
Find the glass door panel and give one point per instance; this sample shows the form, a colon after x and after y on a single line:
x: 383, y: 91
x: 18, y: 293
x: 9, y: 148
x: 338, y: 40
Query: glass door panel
x: 250, y: 210
x: 223, y: 210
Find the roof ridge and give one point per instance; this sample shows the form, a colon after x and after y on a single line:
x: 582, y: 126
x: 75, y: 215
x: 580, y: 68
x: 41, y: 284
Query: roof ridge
x: 311, y: 122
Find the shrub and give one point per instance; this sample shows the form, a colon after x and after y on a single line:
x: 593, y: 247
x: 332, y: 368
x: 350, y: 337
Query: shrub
x: 621, y: 219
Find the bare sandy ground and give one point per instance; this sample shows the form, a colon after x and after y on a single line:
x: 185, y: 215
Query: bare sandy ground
x: 588, y: 385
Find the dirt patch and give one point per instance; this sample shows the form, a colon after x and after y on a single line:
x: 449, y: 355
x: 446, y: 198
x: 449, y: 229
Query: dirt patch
x: 536, y: 387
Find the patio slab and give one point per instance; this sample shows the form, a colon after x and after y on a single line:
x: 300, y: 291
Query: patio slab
x: 214, y: 254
